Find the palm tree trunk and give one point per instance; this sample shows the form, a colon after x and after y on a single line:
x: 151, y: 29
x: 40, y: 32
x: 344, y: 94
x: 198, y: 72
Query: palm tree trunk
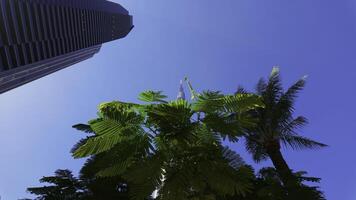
x: 282, y: 168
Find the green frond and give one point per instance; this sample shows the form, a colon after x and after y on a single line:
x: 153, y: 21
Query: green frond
x: 176, y: 183
x: 273, y: 90
x: 144, y: 177
x: 291, y: 126
x: 229, y: 182
x: 234, y: 159
x: 241, y: 90
x: 118, y: 124
x: 122, y: 113
x: 109, y: 126
x: 215, y: 102
x: 301, y: 175
x: 285, y: 105
x: 241, y: 103
x: 173, y: 110
x: 80, y: 143
x: 261, y: 86
x: 269, y: 173
x: 116, y: 170
x: 172, y: 119
x: 298, y: 142
x: 112, y: 136
x: 152, y: 96
x: 84, y: 128
x: 123, y: 154
x: 293, y: 91
x: 206, y: 137
x: 225, y: 125
x: 119, y: 106
x: 208, y: 101
x: 256, y: 150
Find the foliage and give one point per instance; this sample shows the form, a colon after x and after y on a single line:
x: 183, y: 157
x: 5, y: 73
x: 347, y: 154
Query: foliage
x: 267, y: 185
x: 276, y: 125
x: 174, y: 149
x: 63, y: 186
x: 265, y: 128
x: 168, y: 146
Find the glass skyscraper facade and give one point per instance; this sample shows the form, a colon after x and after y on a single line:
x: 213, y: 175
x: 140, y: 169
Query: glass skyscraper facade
x: 39, y: 37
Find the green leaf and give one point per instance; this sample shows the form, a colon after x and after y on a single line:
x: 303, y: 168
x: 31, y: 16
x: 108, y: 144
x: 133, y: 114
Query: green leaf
x: 84, y: 128
x: 297, y: 142
x: 152, y: 96
x: 215, y: 102
x: 105, y: 142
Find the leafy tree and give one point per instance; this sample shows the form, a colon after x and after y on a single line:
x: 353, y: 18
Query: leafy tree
x: 269, y: 186
x: 64, y: 186
x: 107, y: 188
x: 167, y: 147
x: 174, y: 149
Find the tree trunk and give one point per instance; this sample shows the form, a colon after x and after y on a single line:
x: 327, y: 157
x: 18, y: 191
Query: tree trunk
x: 285, y: 173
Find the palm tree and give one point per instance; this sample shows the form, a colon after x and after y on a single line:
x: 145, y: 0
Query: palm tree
x: 165, y: 146
x: 265, y: 128
x: 276, y: 125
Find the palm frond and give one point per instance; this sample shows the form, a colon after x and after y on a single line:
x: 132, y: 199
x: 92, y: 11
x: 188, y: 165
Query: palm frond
x: 269, y: 173
x: 118, y: 123
x: 152, y: 96
x: 301, y: 175
x: 290, y: 127
x: 256, y: 149
x: 145, y: 176
x: 293, y: 91
x: 241, y: 90
x: 80, y: 143
x: 173, y: 119
x: 241, y: 103
x: 234, y: 159
x: 210, y: 102
x: 273, y: 90
x: 227, y: 126
x: 285, y: 105
x: 116, y: 170
x: 84, y: 128
x: 228, y: 181
x: 206, y: 137
x: 297, y: 142
x: 261, y: 86
x: 123, y: 154
x: 105, y: 142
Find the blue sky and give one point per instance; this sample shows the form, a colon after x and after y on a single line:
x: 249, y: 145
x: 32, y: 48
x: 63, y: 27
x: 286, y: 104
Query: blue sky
x: 219, y: 44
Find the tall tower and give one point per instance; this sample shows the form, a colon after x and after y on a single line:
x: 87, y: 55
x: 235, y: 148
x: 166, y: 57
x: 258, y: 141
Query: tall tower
x: 181, y: 93
x: 39, y: 37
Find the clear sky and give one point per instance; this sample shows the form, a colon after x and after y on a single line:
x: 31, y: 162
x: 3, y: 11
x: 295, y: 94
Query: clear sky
x: 219, y: 44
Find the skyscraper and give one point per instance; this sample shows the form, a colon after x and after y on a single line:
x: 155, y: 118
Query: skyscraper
x: 39, y: 37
